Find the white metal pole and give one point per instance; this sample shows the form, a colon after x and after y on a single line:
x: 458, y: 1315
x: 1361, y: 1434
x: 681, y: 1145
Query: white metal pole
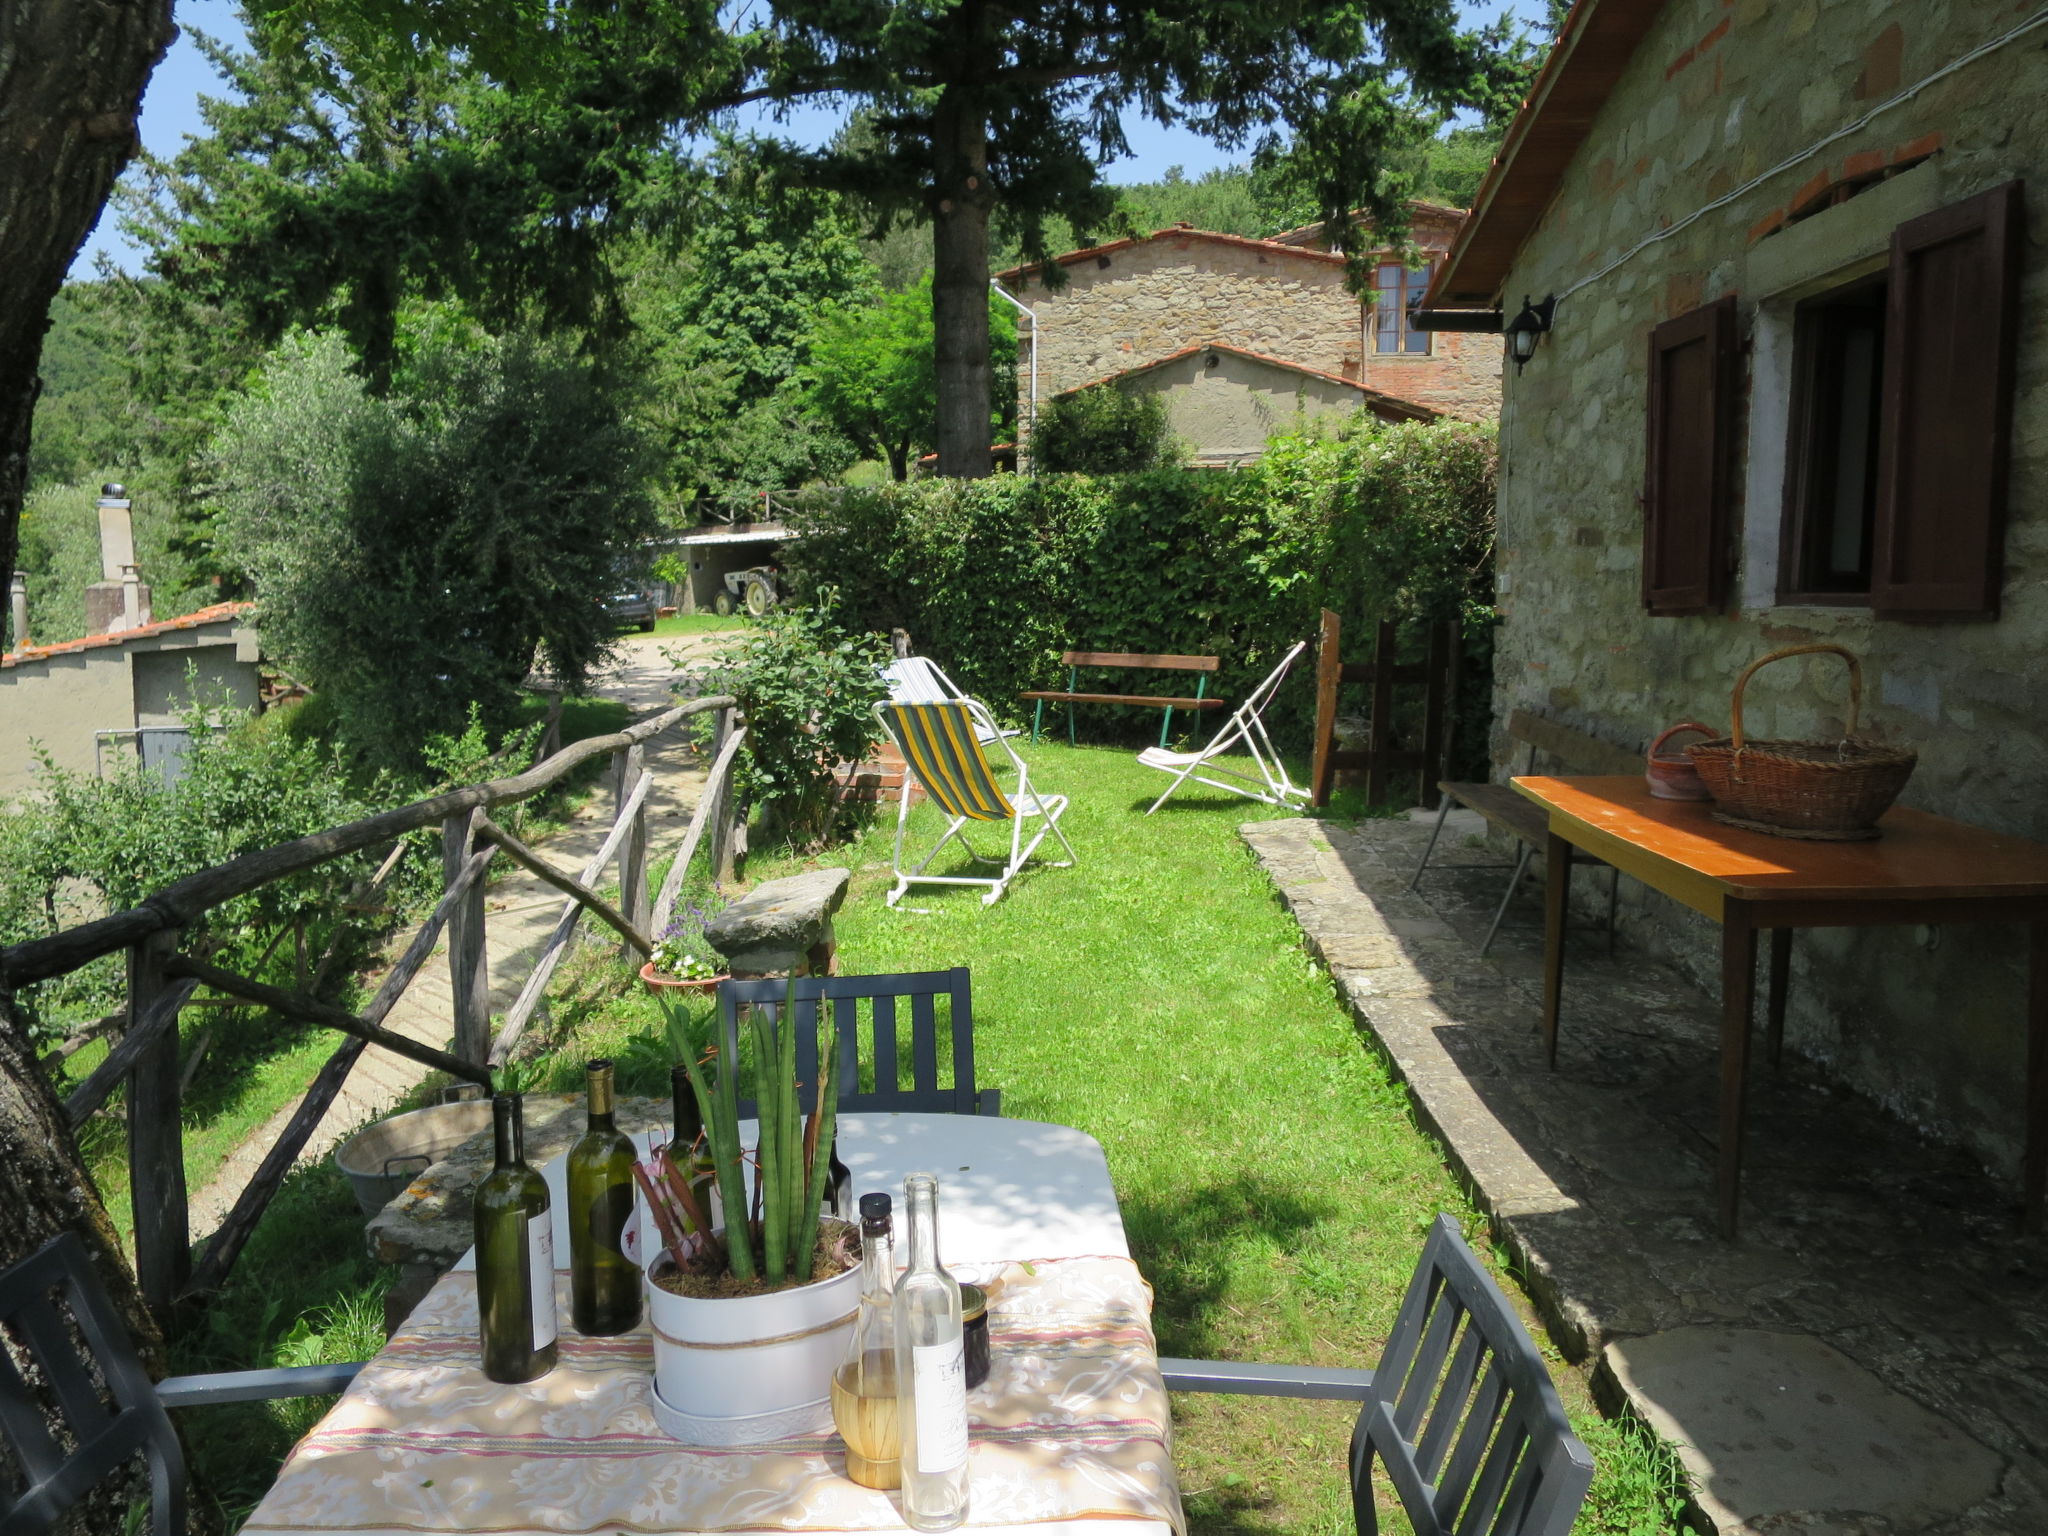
x: 1032, y: 315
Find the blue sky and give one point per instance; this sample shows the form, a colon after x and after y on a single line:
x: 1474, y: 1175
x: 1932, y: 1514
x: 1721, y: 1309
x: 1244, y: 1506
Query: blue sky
x: 170, y: 112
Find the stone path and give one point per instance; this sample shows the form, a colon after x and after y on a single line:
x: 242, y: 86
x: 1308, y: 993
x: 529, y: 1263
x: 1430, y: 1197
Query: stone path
x: 521, y: 913
x: 1870, y: 1358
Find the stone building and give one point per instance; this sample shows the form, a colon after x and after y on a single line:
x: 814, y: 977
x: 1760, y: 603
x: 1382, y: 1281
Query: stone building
x: 1131, y: 305
x: 1795, y: 388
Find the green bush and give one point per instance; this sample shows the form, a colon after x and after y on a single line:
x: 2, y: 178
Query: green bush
x: 1102, y: 430
x: 413, y: 551
x: 994, y: 578
x: 808, y: 691
x: 84, y: 845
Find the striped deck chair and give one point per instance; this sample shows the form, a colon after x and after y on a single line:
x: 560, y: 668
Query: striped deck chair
x: 942, y: 743
x: 918, y: 680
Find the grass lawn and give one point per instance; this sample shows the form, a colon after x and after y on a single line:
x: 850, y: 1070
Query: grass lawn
x: 1273, y: 1184
x: 696, y: 624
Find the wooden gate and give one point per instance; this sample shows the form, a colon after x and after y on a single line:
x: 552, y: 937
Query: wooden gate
x: 1437, y: 676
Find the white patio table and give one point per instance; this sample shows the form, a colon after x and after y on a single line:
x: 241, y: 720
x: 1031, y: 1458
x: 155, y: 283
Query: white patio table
x: 1015, y: 1196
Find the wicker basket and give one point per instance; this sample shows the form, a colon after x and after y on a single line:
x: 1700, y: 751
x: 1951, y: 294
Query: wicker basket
x: 1828, y: 790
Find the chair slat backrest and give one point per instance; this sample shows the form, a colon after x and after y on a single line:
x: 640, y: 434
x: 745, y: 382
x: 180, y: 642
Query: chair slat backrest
x: 1463, y: 1414
x: 75, y: 1347
x: 941, y: 742
x: 844, y: 996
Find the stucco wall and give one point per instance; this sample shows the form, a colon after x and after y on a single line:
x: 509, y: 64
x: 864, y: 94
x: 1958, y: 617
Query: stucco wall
x: 1133, y: 305
x: 1232, y: 408
x: 61, y: 700
x: 1929, y: 1023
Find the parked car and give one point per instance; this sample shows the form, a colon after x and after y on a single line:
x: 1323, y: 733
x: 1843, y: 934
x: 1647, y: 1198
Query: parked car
x: 632, y: 600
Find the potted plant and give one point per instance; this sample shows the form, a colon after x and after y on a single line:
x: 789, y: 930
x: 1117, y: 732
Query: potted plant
x: 750, y: 1317
x: 683, y: 962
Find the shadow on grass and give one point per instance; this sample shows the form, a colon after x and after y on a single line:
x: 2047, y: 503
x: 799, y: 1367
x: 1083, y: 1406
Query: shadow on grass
x: 1189, y: 1244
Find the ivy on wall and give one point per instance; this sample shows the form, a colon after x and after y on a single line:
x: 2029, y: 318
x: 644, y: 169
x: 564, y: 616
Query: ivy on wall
x: 995, y: 578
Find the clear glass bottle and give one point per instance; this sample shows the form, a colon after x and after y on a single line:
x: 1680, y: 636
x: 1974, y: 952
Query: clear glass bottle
x: 515, y: 1257
x: 864, y: 1386
x: 931, y: 1373
x: 604, y: 1274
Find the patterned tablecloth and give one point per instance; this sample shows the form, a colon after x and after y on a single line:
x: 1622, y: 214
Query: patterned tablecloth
x: 1072, y: 1424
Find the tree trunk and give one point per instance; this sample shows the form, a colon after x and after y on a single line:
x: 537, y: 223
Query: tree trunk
x: 48, y: 1189
x: 960, y: 216
x: 899, y: 460
x: 71, y: 79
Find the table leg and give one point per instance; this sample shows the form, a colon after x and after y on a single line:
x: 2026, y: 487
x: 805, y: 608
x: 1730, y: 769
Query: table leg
x: 1781, y: 983
x: 2034, y: 1175
x: 1738, y: 987
x: 1557, y: 891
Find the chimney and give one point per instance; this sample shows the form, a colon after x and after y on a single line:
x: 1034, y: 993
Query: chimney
x: 17, y: 602
x: 110, y: 604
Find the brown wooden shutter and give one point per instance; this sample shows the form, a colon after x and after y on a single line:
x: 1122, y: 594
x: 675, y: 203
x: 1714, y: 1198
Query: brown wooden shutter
x: 1687, y: 480
x: 1951, y: 319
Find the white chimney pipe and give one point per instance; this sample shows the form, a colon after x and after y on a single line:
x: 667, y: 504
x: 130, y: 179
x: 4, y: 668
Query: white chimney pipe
x: 117, y: 533
x: 17, y: 601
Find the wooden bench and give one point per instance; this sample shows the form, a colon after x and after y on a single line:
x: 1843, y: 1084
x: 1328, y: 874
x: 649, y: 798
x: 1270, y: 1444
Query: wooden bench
x: 1522, y: 819
x: 1073, y: 661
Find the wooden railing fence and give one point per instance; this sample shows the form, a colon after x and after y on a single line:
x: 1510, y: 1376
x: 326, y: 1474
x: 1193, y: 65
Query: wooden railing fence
x: 162, y: 980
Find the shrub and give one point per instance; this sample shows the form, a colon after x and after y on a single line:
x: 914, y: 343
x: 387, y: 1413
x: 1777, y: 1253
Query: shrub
x: 412, y: 551
x: 110, y: 841
x: 996, y: 577
x: 808, y: 691
x: 1102, y: 430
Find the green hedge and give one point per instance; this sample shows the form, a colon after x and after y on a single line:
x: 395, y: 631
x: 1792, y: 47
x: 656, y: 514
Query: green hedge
x: 994, y: 578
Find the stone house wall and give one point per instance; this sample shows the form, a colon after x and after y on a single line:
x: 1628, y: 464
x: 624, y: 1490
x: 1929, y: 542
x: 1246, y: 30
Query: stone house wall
x: 1231, y: 408
x: 1928, y: 1022
x: 1133, y: 303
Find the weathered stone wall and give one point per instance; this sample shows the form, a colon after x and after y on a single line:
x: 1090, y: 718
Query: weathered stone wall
x: 1929, y: 1023
x: 1136, y: 304
x: 1229, y: 410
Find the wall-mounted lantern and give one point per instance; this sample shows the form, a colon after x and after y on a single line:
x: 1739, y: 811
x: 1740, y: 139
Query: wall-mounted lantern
x: 1528, y: 328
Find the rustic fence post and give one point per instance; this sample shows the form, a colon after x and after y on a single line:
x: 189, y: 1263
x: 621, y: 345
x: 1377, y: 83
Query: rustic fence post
x: 725, y: 833
x: 634, y: 900
x: 469, y: 966
x: 156, y: 1139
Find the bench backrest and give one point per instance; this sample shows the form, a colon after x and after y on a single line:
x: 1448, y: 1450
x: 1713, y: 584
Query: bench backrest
x: 1133, y: 659
x: 83, y: 1370
x: 843, y: 997
x: 1575, y: 751
x: 1462, y: 1413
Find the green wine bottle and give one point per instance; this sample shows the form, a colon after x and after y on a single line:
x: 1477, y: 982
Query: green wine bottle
x: 515, y: 1257
x: 604, y: 1275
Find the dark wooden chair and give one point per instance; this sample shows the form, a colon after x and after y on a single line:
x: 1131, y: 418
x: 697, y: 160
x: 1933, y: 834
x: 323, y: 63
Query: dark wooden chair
x: 1461, y: 1409
x: 82, y: 1372
x: 883, y: 997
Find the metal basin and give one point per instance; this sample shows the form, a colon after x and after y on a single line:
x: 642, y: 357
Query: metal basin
x: 381, y: 1159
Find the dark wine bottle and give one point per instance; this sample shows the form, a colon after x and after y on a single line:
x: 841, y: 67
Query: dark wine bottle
x: 515, y: 1257
x: 696, y: 1165
x: 838, y: 1185
x: 604, y: 1274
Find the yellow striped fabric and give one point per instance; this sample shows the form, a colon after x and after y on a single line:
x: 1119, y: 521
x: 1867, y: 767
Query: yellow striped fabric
x: 938, y: 742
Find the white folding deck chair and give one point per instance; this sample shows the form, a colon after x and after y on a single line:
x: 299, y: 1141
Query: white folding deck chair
x: 1243, y: 731
x: 919, y: 680
x: 942, y: 745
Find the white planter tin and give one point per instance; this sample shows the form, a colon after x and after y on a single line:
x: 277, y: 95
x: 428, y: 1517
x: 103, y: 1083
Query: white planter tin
x: 745, y: 1370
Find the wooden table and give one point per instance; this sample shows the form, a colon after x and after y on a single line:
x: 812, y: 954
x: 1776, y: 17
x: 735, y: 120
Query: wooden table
x: 1925, y: 869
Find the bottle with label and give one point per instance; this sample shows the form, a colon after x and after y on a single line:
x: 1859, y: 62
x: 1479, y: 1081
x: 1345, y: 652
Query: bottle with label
x: 604, y: 1268
x: 864, y: 1386
x: 931, y: 1373
x: 687, y: 1149
x: 515, y: 1257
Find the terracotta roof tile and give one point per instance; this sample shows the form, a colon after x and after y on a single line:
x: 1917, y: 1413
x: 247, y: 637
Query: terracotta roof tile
x: 212, y: 615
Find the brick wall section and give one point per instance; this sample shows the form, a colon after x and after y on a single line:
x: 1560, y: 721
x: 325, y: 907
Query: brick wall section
x: 1136, y: 303
x: 1719, y: 93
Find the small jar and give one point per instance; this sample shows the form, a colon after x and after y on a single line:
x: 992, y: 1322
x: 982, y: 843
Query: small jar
x: 974, y: 1333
